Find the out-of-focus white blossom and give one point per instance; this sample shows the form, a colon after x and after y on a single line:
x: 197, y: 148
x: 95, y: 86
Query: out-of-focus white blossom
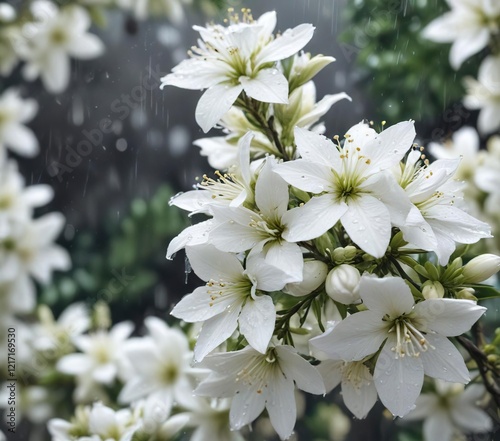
x: 142, y: 9
x: 469, y: 26
x: 14, y: 113
x: 47, y: 43
x: 484, y: 94
x: 451, y: 412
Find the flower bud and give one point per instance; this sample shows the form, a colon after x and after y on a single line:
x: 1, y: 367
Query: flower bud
x: 341, y: 255
x: 342, y: 284
x: 467, y: 294
x: 481, y: 268
x: 314, y: 274
x: 433, y: 290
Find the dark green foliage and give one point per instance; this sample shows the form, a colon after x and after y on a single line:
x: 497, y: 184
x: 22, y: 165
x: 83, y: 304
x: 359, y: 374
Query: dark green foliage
x: 123, y: 262
x: 405, y: 75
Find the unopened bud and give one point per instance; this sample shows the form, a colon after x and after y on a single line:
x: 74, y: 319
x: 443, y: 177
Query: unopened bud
x: 342, y: 255
x: 433, y: 290
x: 481, y: 268
x: 467, y: 294
x: 314, y: 274
x: 342, y: 284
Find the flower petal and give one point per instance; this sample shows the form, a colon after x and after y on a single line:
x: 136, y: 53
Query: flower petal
x: 281, y: 405
x: 387, y: 295
x: 354, y: 338
x: 216, y: 331
x: 256, y: 322
x: 444, y: 362
x: 288, y: 44
x: 448, y: 317
x: 214, y: 103
x: 271, y: 192
x: 438, y: 426
x: 359, y: 399
x: 307, y: 176
x: 317, y: 148
x: 268, y: 86
x: 210, y: 263
x: 368, y: 224
x: 313, y: 219
x: 468, y: 44
x: 246, y: 406
x: 398, y: 380
x: 306, y: 376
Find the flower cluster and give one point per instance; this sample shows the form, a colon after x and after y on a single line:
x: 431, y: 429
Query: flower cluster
x: 317, y: 254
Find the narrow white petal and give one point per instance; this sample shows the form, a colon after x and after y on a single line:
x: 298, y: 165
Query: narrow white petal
x: 210, y: 263
x: 21, y: 140
x: 281, y: 405
x: 354, y: 338
x: 56, y: 71
x: 306, y: 376
x: 199, y: 306
x: 194, y: 235
x: 438, y: 427
x: 85, y: 47
x: 398, y: 380
x: 38, y: 195
x: 443, y: 29
x: 194, y: 74
x: 449, y: 317
x: 362, y: 134
x: 105, y: 373
x: 470, y: 418
x: 257, y: 321
x: 321, y: 108
x: 286, y: 45
x: 444, y: 362
x: 426, y: 405
x: 390, y: 146
x: 268, y: 86
x: 233, y: 237
x: 288, y: 258
x: 246, y: 406
x: 74, y: 364
x: 489, y: 119
x: 359, y: 400
x: 313, y: 219
x: 331, y: 371
x: 418, y: 232
x: 271, y: 192
x: 216, y: 331
x: 368, y: 224
x: 214, y: 103
x: 317, y: 148
x: 305, y: 175
x: 467, y: 45
x: 387, y: 295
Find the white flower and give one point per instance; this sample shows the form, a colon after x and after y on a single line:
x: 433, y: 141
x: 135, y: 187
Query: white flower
x: 160, y: 367
x: 101, y: 357
x: 17, y: 201
x: 62, y: 430
x: 412, y: 337
x: 8, y: 55
x: 435, y: 222
x: 14, y: 113
x: 451, y: 411
x: 209, y: 418
x: 342, y: 284
x: 257, y: 381
x: 52, y: 335
x: 29, y: 251
x: 237, y: 58
x: 469, y: 26
x: 111, y: 425
x: 261, y: 231
x: 229, y: 298
x: 484, y: 94
x: 464, y: 144
x: 233, y: 188
x: 358, y: 388
x: 352, y: 185
x: 49, y: 42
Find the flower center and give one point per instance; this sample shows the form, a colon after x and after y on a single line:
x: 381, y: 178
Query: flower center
x: 169, y: 373
x: 357, y: 374
x: 353, y: 172
x: 218, y: 289
x: 256, y: 373
x: 409, y: 340
x: 227, y: 186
